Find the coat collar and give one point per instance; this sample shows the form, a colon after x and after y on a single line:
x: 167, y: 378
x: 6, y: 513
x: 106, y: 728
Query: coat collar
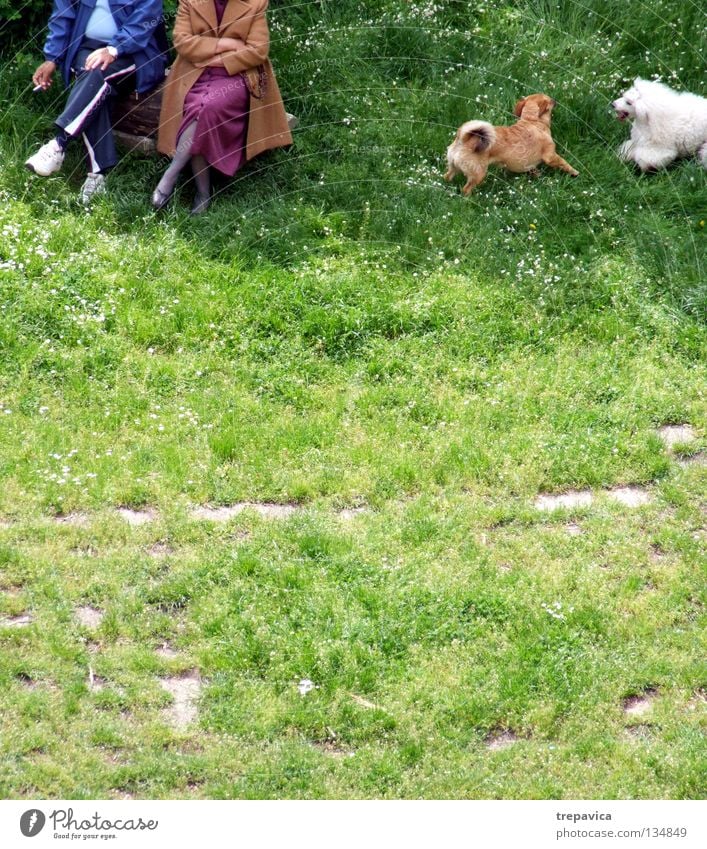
x: 235, y: 9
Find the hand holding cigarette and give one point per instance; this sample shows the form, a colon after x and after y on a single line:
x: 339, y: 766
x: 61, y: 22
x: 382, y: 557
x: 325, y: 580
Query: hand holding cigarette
x: 42, y: 77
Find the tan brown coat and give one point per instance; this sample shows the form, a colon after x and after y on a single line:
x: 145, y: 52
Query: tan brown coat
x: 196, y: 33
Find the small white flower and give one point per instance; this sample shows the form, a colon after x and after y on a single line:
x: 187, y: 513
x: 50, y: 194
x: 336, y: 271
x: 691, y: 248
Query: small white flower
x: 305, y: 686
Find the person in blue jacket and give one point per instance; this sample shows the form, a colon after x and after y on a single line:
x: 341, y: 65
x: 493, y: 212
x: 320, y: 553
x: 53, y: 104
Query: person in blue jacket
x: 104, y: 45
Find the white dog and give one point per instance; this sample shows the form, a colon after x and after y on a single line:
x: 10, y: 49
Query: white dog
x: 666, y: 125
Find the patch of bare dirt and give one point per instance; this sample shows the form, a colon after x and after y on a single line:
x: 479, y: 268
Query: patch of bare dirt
x: 640, y: 704
x: 642, y: 731
x: 365, y: 703
x: 185, y: 690
x: 698, y: 701
x: 159, y: 550
x: 630, y: 496
x: 89, y: 617
x: 676, y: 434
x: 223, y: 513
x: 120, y: 794
x: 166, y: 652
x: 19, y: 621
x: 333, y: 749
x: 697, y: 459
x: 657, y: 552
x: 137, y: 517
x: 74, y: 520
x: 496, y: 741
x: 227, y: 512
x: 274, y: 511
x: 349, y: 513
x: 572, y: 498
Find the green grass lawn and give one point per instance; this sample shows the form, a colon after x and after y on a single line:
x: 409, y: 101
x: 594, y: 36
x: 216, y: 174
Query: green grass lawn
x: 406, y: 371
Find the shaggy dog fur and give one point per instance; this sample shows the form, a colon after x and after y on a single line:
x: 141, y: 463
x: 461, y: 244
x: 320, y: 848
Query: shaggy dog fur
x: 519, y: 148
x: 666, y: 125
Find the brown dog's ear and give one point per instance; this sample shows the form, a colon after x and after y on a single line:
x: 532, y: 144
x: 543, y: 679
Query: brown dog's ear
x: 530, y: 111
x: 518, y: 108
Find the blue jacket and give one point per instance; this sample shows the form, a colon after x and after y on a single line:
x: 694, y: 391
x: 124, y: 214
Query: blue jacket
x: 140, y: 34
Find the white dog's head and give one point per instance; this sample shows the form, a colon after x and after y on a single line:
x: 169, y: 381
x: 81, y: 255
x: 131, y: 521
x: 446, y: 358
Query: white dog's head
x: 632, y: 103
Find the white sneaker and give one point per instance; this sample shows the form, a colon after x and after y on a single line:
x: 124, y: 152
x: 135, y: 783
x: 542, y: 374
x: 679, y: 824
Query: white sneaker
x: 95, y: 184
x: 48, y: 159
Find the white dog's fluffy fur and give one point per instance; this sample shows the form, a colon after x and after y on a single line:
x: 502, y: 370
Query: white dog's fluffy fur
x: 666, y: 125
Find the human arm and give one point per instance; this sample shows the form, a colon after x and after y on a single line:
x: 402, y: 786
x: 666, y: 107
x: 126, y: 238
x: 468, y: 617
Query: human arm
x: 135, y: 32
x: 61, y: 23
x: 100, y: 58
x: 236, y: 55
x: 197, y: 49
x: 255, y: 50
x: 43, y: 75
x: 223, y: 46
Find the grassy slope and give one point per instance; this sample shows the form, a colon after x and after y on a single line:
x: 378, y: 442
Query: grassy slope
x: 344, y: 329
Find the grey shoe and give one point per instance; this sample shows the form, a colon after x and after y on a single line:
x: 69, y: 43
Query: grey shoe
x: 160, y: 199
x: 95, y: 184
x: 201, y: 204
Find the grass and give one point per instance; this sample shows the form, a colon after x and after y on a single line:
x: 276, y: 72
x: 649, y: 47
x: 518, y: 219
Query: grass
x: 343, y: 330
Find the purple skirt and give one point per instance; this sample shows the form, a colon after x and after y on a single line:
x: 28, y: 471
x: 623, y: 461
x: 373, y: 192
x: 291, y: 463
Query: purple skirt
x: 219, y: 104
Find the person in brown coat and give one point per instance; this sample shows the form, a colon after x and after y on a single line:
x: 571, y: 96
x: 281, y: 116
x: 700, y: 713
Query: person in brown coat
x: 221, y: 104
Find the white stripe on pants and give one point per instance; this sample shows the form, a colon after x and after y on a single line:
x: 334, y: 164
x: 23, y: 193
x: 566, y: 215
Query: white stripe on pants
x: 75, y: 127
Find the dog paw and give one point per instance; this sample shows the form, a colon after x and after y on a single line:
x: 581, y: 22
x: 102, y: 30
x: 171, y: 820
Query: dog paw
x: 625, y: 152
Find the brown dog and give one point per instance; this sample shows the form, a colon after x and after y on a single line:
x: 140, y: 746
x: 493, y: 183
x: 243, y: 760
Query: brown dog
x: 519, y: 148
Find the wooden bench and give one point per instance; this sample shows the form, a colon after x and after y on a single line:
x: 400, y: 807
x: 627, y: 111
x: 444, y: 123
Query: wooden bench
x: 136, y: 118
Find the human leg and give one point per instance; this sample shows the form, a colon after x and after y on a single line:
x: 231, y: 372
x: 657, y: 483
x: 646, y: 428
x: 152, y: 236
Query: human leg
x: 202, y: 180
x: 87, y: 111
x: 87, y: 114
x: 182, y: 155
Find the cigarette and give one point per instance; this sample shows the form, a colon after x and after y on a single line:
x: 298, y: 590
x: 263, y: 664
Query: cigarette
x: 37, y: 88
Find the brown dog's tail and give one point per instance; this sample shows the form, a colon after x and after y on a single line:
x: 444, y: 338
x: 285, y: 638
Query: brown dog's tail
x: 479, y: 135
